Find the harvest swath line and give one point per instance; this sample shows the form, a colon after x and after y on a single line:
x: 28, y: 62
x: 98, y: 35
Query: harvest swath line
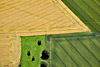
x: 61, y: 24
x: 19, y: 11
x: 48, y: 21
x: 88, y: 50
x: 27, y: 9
x: 5, y: 2
x: 32, y: 21
x: 79, y: 53
x: 9, y: 4
x: 67, y: 53
x: 18, y: 5
x: 23, y: 17
x: 31, y: 13
x: 56, y: 18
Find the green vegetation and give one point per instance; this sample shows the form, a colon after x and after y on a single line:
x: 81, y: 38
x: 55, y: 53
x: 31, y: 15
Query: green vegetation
x: 75, y: 50
x: 45, y: 55
x: 87, y: 10
x: 66, y: 50
x: 97, y: 1
x: 44, y: 64
x: 30, y: 50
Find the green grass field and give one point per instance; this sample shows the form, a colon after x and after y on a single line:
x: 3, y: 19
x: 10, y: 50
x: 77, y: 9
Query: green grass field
x: 74, y: 50
x: 87, y: 10
x: 30, y: 43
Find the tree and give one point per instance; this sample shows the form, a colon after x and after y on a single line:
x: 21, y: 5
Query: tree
x: 45, y: 54
x: 44, y: 64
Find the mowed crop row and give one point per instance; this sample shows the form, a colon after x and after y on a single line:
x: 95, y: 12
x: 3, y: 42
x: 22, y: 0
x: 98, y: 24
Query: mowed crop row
x: 87, y: 10
x: 82, y: 50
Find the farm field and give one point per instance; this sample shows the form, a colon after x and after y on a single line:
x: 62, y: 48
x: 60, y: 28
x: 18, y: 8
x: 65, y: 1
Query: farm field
x: 74, y: 50
x: 29, y: 18
x: 9, y: 53
x: 36, y: 16
x: 30, y: 44
x: 7, y: 49
x: 32, y: 17
x: 87, y: 10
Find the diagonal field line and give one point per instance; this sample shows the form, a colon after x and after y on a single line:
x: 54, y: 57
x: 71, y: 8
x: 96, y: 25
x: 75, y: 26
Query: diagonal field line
x: 16, y: 5
x: 83, y: 17
x: 24, y: 11
x: 79, y: 53
x: 20, y: 11
x: 23, y: 17
x: 87, y: 15
x: 32, y: 21
x: 97, y: 40
x: 91, y: 8
x: 45, y: 23
x: 94, y: 43
x: 60, y: 59
x: 69, y: 13
x: 89, y: 50
x: 96, y: 3
x: 5, y: 2
x: 68, y: 54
